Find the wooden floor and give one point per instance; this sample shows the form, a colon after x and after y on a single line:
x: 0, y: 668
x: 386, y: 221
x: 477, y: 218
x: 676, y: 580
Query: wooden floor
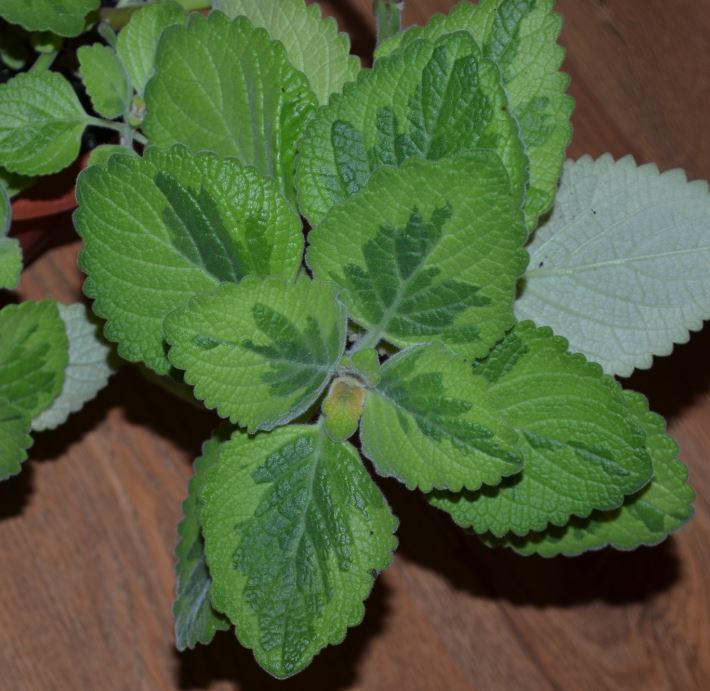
x: 87, y: 531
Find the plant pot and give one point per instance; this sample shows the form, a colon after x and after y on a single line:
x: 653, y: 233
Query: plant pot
x: 40, y: 215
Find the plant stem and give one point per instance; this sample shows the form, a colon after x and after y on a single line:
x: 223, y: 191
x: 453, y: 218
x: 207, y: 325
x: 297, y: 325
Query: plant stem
x: 119, y: 127
x: 118, y: 17
x: 388, y: 16
x: 44, y: 61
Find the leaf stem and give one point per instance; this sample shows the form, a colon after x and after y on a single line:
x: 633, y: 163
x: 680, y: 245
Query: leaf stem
x: 119, y: 127
x: 369, y: 339
x: 388, y: 16
x: 44, y: 61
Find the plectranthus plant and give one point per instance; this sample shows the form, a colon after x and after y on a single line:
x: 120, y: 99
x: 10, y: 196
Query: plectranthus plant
x: 387, y: 271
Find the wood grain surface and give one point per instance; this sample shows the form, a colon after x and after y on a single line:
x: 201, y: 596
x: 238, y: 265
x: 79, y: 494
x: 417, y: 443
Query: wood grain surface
x: 87, y: 531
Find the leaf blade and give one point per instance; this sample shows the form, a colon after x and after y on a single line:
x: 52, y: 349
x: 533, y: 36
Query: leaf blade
x: 105, y: 80
x: 15, y: 439
x: 629, y: 295
x: 63, y: 17
x: 260, y: 352
x: 288, y: 491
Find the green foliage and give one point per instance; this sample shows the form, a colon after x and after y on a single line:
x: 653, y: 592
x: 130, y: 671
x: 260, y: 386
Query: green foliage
x: 312, y: 42
x: 105, y: 80
x: 138, y: 42
x: 184, y: 224
x: 581, y: 450
x: 88, y: 369
x: 202, y: 95
x: 261, y: 352
x: 646, y: 518
x: 195, y: 620
x: 294, y: 531
x: 622, y: 297
x: 520, y: 36
x: 431, y: 425
x: 429, y: 251
x: 33, y: 355
x: 63, y: 17
x: 14, y: 438
x: 41, y: 123
x: 10, y: 252
x: 434, y: 100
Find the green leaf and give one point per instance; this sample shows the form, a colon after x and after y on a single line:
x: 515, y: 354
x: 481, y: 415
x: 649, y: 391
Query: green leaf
x: 312, y: 42
x: 430, y: 424
x: 139, y: 39
x: 581, y: 449
x: 427, y: 252
x: 63, y: 17
x: 520, y: 36
x: 87, y: 372
x: 33, y: 355
x: 13, y: 182
x: 621, y: 267
x: 105, y: 80
x: 295, y: 530
x: 434, y: 100
x: 14, y: 438
x: 161, y: 228
x: 41, y: 123
x: 213, y: 77
x: 101, y: 154
x: 646, y: 518
x: 262, y: 352
x: 195, y: 620
x: 10, y: 252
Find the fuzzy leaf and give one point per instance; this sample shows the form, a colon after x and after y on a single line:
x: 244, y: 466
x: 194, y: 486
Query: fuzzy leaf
x: 427, y: 252
x: 581, y: 449
x: 138, y: 40
x: 312, y: 42
x: 434, y: 100
x: 211, y: 78
x: 105, y: 80
x: 161, y: 228
x: 295, y: 530
x: 41, y: 123
x: 520, y: 36
x: 261, y: 352
x: 646, y: 518
x: 33, y: 355
x: 87, y: 371
x: 621, y: 267
x: 430, y: 424
x: 10, y: 252
x: 63, y: 17
x: 195, y: 620
x: 14, y: 438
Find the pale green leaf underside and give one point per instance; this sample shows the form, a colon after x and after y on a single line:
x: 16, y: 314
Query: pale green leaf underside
x: 434, y: 100
x: 41, y: 123
x: 63, y: 17
x: 138, y: 41
x: 10, y: 252
x: 195, y: 620
x: 33, y: 355
x: 520, y: 36
x: 105, y: 80
x: 161, y: 228
x: 646, y: 518
x: 13, y: 182
x: 226, y: 87
x: 313, y: 44
x: 87, y: 371
x: 427, y: 252
x: 261, y: 352
x: 14, y: 439
x: 581, y: 449
x: 621, y: 267
x: 430, y: 424
x: 295, y: 530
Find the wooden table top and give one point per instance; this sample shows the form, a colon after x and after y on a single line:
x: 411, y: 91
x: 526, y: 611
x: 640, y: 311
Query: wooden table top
x: 87, y: 531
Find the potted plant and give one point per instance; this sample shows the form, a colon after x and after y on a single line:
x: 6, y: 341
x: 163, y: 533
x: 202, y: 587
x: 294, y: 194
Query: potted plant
x: 458, y: 320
